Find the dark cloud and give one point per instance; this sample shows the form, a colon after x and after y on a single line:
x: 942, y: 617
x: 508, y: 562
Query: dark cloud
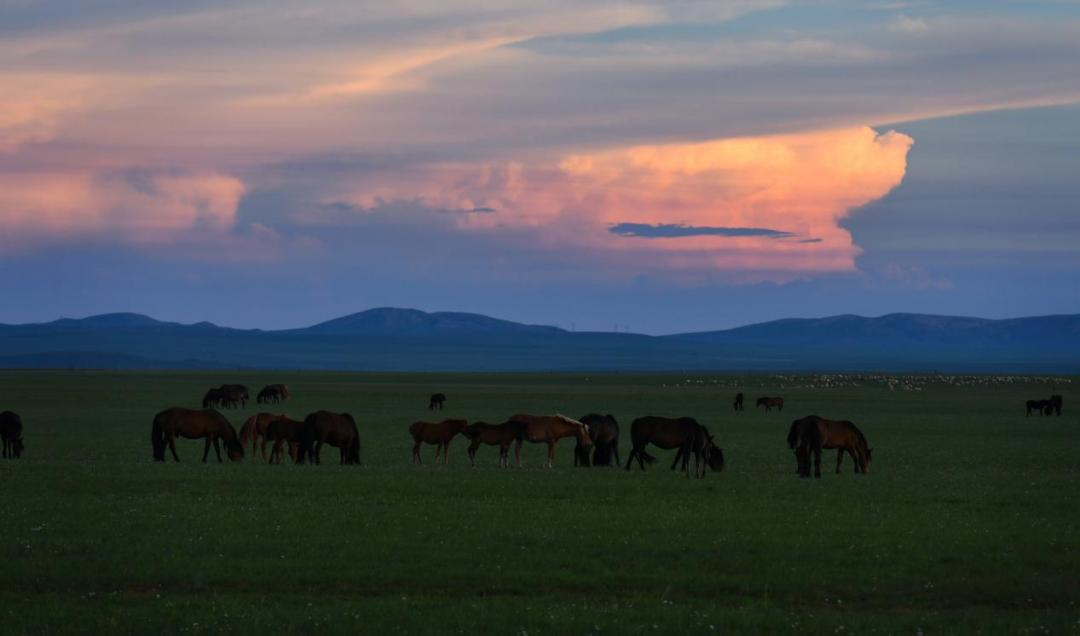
x: 665, y: 230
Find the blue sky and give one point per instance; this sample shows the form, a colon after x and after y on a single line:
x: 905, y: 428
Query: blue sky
x: 658, y: 167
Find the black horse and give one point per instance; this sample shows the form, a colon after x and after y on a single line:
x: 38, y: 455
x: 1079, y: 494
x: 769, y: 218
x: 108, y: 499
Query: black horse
x: 1042, y: 407
x: 683, y: 433
x: 604, y: 430
x: 435, y: 403
x: 1055, y: 404
x: 11, y: 428
x: 739, y: 402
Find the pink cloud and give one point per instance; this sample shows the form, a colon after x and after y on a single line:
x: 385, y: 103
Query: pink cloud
x: 801, y: 185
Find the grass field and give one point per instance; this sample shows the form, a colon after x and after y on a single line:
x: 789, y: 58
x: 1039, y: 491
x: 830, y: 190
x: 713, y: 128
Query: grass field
x: 969, y: 520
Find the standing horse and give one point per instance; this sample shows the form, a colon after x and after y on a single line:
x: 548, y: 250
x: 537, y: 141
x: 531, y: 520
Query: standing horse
x: 604, y: 430
x: 254, y: 428
x: 501, y: 435
x: 683, y: 433
x: 770, y: 402
x: 809, y: 435
x: 273, y: 393
x: 11, y: 429
x: 192, y: 424
x: 283, y: 430
x: 234, y: 396
x: 212, y: 398
x: 739, y: 402
x: 336, y: 429
x: 1043, y: 407
x: 438, y: 433
x: 436, y: 401
x: 549, y: 429
x: 1055, y: 404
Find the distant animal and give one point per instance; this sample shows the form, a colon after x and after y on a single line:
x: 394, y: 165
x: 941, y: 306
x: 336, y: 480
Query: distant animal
x: 549, y: 429
x: 193, y: 424
x: 11, y: 431
x: 1043, y: 407
x: 438, y: 433
x: 272, y: 394
x: 809, y: 435
x: 604, y: 430
x: 233, y: 396
x: 1055, y: 402
x: 436, y: 402
x: 283, y: 430
x: 212, y: 398
x: 739, y: 402
x: 335, y: 429
x: 253, y: 429
x: 501, y: 435
x: 684, y: 433
x: 770, y: 402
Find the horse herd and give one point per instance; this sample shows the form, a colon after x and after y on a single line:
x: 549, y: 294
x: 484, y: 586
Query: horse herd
x: 232, y: 396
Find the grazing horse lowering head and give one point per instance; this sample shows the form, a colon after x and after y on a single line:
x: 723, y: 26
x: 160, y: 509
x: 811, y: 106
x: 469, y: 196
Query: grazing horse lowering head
x: 581, y: 432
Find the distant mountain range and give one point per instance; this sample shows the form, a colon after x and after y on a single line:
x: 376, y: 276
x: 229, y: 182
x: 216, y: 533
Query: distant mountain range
x: 392, y: 339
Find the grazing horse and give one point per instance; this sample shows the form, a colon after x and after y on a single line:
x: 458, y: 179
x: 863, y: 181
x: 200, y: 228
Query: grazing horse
x: 1055, y: 403
x: 282, y: 430
x: 234, y: 396
x: 11, y: 428
x: 213, y: 397
x: 1043, y: 407
x: 770, y: 402
x: 436, y: 402
x: 549, y: 429
x: 336, y: 429
x: 438, y: 433
x: 254, y: 428
x: 809, y: 435
x: 683, y: 433
x: 604, y: 430
x: 273, y: 393
x: 193, y: 424
x: 501, y: 435
x: 739, y: 402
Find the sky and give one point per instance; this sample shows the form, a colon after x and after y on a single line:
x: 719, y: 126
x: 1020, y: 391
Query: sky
x: 657, y: 167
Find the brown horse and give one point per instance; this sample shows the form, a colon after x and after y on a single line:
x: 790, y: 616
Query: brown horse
x: 549, y: 429
x: 336, y: 429
x: 254, y: 428
x: 684, y: 433
x: 770, y: 402
x: 436, y: 402
x: 604, y: 430
x: 501, y: 435
x: 11, y: 429
x: 273, y: 393
x: 212, y: 398
x: 438, y: 433
x: 283, y: 430
x: 233, y: 396
x: 192, y: 424
x: 809, y: 435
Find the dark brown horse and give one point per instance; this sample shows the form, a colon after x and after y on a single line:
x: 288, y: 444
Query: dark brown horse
x: 604, y: 430
x: 335, y: 429
x: 253, y: 429
x: 273, y: 394
x: 233, y: 396
x: 1043, y: 407
x: 1055, y: 403
x: 193, y: 424
x: 212, y: 398
x: 739, y: 398
x: 684, y: 433
x: 809, y: 435
x: 283, y: 430
x: 501, y: 435
x: 11, y: 430
x: 549, y: 429
x: 770, y: 402
x: 436, y: 402
x: 438, y: 433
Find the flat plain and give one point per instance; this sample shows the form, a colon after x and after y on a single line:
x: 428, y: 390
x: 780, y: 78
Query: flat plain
x: 969, y: 520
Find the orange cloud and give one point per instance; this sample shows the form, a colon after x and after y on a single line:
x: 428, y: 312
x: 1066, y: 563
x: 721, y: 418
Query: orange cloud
x: 46, y: 207
x: 801, y: 185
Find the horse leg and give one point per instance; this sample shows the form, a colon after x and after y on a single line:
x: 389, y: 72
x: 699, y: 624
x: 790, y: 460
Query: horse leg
x: 416, y: 454
x: 318, y: 449
x: 472, y: 452
x: 551, y: 455
x: 517, y: 453
x: 217, y: 448
x: 206, y: 451
x: 817, y: 463
x: 678, y: 456
x: 171, y: 439
x: 446, y: 452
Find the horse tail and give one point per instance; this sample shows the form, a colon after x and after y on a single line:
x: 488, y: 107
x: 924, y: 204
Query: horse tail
x: 793, y: 435
x: 157, y: 439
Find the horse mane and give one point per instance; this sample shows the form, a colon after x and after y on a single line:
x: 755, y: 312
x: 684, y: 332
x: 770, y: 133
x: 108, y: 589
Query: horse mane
x: 570, y: 420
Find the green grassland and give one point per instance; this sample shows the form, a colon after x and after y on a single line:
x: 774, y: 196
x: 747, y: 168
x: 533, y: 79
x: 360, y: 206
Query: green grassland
x: 969, y: 519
